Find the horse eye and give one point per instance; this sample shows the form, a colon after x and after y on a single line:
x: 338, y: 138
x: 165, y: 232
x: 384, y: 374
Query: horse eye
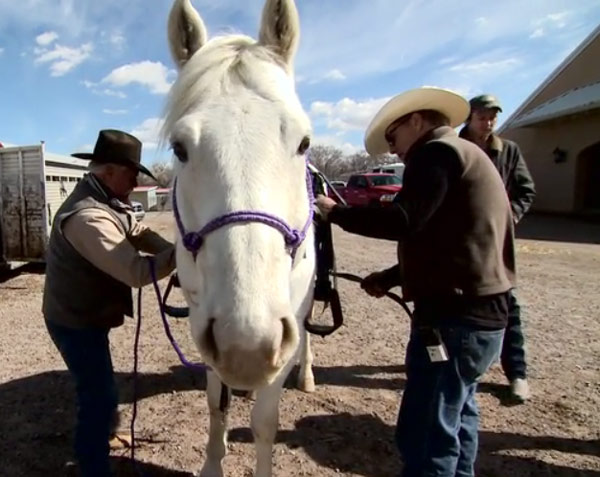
x: 180, y: 151
x: 304, y: 145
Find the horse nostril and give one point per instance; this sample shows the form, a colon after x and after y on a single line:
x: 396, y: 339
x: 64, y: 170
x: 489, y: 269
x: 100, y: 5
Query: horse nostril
x: 209, y: 344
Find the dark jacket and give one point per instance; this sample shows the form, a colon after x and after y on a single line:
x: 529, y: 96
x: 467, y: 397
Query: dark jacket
x: 509, y: 162
x: 77, y: 294
x: 452, y: 217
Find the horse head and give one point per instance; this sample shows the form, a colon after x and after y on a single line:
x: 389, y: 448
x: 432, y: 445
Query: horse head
x: 245, y: 254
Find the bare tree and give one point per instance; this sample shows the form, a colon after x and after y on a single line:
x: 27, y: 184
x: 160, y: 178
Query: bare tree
x: 332, y: 162
x: 163, y: 171
x: 328, y: 159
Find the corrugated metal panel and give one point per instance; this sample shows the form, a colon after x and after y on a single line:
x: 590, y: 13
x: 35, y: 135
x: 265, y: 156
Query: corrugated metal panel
x: 60, y: 171
x: 61, y: 181
x: 23, y: 203
x: 56, y: 193
x: 54, y: 199
x: 33, y: 185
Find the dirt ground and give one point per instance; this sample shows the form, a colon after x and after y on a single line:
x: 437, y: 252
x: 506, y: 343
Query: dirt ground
x: 346, y: 426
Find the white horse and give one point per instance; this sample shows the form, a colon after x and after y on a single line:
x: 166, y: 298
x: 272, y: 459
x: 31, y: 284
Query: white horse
x: 245, y: 250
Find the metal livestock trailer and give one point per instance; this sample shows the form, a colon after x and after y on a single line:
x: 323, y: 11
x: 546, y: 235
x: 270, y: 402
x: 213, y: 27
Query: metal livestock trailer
x: 33, y: 185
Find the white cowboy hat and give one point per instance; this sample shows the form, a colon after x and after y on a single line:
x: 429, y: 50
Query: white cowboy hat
x: 447, y: 102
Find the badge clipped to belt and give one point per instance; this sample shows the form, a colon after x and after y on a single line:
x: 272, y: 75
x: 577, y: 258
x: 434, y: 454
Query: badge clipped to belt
x: 436, y: 350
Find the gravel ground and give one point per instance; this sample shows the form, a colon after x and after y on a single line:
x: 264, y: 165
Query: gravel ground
x: 346, y: 426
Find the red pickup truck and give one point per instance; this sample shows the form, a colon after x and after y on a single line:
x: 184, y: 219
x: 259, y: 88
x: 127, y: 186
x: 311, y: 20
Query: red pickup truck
x: 371, y: 189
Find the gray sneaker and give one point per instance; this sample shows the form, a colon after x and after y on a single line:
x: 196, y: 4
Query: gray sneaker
x: 519, y: 389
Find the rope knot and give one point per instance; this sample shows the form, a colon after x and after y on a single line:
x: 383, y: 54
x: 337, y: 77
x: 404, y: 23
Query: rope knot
x: 193, y: 241
x: 293, y: 239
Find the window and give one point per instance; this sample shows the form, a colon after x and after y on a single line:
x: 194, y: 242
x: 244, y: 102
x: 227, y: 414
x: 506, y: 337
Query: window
x: 357, y: 181
x: 385, y: 180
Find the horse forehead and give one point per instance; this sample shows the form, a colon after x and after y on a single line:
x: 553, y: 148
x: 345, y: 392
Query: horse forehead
x: 240, y: 104
x: 248, y: 115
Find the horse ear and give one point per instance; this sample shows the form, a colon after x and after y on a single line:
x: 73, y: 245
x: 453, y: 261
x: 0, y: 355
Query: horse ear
x: 187, y: 32
x: 280, y: 28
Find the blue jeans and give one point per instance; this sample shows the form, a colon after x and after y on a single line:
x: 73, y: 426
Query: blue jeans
x: 513, y: 351
x: 86, y: 353
x: 438, y: 419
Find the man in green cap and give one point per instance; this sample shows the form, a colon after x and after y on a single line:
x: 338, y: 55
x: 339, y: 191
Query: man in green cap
x: 507, y: 158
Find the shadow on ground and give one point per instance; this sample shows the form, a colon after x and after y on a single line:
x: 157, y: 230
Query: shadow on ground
x: 340, y: 441
x: 37, y: 416
x: 559, y: 229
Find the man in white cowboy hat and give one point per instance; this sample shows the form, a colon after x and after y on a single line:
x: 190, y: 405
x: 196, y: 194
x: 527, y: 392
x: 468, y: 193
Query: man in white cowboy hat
x: 92, y: 263
x: 507, y: 158
x: 453, y: 221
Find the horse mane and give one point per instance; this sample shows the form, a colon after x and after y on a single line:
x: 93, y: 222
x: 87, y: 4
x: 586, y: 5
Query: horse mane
x: 220, y: 65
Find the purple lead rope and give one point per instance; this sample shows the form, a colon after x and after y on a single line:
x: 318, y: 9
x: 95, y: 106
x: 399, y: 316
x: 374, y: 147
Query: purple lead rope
x: 182, y: 358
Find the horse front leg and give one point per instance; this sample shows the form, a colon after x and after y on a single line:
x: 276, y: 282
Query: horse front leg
x: 306, y: 378
x: 264, y: 423
x: 217, y: 438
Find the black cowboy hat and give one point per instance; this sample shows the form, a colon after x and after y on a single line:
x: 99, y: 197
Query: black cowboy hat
x: 117, y: 147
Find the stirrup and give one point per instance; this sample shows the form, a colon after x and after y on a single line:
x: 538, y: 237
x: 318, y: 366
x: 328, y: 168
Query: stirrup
x: 336, y: 311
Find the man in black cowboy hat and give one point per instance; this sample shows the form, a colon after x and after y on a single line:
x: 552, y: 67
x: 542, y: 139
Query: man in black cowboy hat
x: 506, y: 157
x: 92, y: 263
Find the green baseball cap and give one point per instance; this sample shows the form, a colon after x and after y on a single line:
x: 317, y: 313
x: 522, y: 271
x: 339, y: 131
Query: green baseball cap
x: 485, y: 101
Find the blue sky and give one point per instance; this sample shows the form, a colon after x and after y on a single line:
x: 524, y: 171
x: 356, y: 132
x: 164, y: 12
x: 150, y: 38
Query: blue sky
x: 73, y: 67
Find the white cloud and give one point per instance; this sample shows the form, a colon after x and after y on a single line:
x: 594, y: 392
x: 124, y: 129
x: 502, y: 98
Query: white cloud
x: 1, y: 50
x: 558, y: 18
x: 338, y: 142
x: 553, y: 21
x: 481, y: 72
x: 149, y: 132
x: 63, y: 59
x: 46, y: 38
x: 113, y: 38
x: 499, y: 66
x: 465, y: 90
x: 115, y: 111
x: 347, y: 114
x: 76, y: 19
x: 331, y: 75
x: 153, y: 75
x: 103, y: 91
x: 537, y: 33
x: 86, y: 148
x: 111, y: 92
x: 117, y: 39
x: 447, y: 60
x: 361, y: 44
x: 335, y: 74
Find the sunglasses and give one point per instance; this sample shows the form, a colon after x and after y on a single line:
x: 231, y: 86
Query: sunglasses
x: 389, y: 134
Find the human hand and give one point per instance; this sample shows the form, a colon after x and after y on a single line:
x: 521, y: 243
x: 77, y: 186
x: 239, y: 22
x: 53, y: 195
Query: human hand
x: 375, y: 284
x: 325, y: 205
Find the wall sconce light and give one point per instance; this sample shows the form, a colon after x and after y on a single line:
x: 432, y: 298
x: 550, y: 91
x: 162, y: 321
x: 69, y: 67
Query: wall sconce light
x: 559, y: 155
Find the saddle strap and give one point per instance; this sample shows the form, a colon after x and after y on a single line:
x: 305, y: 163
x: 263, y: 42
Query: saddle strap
x: 325, y: 283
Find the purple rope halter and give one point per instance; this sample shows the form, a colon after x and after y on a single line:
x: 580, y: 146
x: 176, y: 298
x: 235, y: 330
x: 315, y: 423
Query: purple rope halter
x: 193, y: 241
